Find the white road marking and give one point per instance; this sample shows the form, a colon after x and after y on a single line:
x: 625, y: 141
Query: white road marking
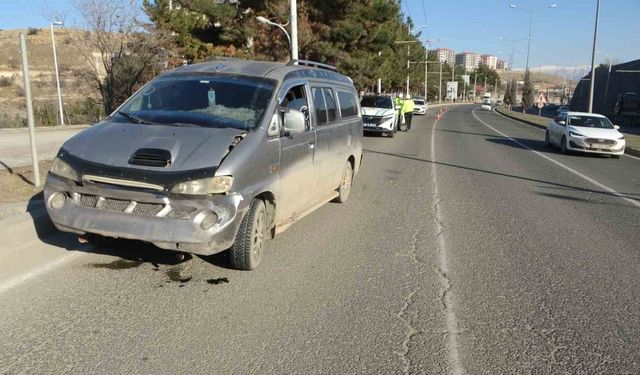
x: 542, y: 130
x: 37, y: 271
x: 452, y: 321
x: 585, y: 177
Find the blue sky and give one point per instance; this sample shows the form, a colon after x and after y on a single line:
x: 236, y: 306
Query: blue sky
x: 561, y: 36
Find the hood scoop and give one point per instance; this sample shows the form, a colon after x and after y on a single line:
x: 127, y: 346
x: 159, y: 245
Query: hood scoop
x: 151, y: 157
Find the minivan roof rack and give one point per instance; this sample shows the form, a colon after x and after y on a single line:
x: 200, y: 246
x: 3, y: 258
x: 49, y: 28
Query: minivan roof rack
x: 313, y: 64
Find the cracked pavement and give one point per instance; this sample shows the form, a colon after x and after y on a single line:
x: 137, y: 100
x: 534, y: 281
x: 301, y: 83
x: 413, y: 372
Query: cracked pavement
x: 475, y: 256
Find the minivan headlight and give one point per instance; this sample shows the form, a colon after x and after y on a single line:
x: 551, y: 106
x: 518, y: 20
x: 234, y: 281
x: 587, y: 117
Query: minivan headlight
x: 211, y: 185
x: 62, y: 169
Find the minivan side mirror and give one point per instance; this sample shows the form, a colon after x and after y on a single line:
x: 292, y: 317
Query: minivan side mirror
x: 294, y: 122
x: 562, y: 122
x: 617, y: 127
x: 398, y: 107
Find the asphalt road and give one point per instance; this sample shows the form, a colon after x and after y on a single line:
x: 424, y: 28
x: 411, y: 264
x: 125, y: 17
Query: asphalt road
x: 15, y: 146
x: 485, y: 254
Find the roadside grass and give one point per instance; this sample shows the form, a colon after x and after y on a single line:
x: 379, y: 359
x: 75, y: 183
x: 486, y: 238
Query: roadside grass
x: 633, y: 141
x: 16, y: 184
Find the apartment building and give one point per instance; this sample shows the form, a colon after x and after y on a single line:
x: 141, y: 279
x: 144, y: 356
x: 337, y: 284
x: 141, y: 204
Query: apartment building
x: 446, y: 55
x: 489, y: 60
x: 470, y: 60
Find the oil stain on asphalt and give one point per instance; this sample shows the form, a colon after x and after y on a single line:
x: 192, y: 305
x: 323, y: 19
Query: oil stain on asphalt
x: 120, y: 264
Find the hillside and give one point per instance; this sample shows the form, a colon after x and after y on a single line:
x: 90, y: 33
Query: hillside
x: 71, y: 64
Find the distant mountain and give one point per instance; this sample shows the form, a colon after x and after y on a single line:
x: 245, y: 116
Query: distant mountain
x: 561, y: 71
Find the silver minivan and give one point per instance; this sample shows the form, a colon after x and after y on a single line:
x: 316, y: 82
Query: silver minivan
x: 213, y: 156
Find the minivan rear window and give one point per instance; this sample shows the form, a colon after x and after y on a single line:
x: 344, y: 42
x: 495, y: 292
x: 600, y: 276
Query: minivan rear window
x: 204, y: 100
x: 348, y: 104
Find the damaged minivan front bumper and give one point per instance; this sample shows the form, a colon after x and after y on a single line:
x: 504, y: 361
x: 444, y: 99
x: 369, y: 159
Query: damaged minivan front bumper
x: 194, y: 224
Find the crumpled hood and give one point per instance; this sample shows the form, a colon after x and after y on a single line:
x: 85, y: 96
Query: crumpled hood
x: 595, y: 132
x: 190, y: 147
x: 371, y: 111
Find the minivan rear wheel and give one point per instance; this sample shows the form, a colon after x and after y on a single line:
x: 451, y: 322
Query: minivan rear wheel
x: 249, y: 246
x: 344, y: 190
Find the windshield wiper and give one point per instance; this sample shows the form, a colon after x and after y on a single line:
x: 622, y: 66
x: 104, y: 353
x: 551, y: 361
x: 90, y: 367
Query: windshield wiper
x: 136, y: 119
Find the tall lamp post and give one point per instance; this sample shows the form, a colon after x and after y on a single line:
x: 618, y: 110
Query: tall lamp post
x: 55, y: 63
x: 531, y: 13
x: 593, y: 58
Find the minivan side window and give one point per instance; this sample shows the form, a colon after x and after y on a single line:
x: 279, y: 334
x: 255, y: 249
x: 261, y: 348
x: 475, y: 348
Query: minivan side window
x: 332, y: 110
x: 320, y: 106
x: 296, y: 98
x: 348, y: 104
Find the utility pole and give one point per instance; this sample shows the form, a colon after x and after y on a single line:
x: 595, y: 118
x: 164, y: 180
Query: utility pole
x: 593, y: 58
x: 27, y: 95
x: 294, y: 30
x: 426, y: 71
x: 440, y: 85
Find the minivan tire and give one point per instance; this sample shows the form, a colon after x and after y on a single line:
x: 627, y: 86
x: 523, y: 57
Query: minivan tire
x: 248, y: 248
x: 391, y: 134
x: 344, y: 190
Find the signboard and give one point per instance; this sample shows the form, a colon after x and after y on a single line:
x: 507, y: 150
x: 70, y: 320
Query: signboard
x: 541, y: 100
x: 452, y: 90
x: 465, y: 78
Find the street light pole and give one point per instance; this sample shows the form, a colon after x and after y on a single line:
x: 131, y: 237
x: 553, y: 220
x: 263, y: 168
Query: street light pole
x: 294, y: 30
x: 55, y: 63
x: 531, y: 13
x: 593, y: 58
x: 281, y: 27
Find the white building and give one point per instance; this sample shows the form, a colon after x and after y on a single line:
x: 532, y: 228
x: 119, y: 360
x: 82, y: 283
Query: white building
x: 446, y: 55
x: 489, y: 60
x: 469, y: 60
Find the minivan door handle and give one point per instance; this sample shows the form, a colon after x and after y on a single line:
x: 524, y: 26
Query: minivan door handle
x: 312, y: 144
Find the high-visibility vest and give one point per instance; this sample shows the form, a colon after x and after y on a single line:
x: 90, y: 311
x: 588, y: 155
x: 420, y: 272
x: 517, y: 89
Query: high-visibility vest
x: 408, y: 106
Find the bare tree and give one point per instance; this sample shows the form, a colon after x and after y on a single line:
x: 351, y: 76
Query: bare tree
x: 122, y: 53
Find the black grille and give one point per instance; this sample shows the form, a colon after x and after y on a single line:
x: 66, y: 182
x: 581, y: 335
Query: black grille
x: 88, y: 201
x: 148, y: 209
x: 115, y: 204
x: 151, y: 157
x: 372, y: 120
x: 600, y: 141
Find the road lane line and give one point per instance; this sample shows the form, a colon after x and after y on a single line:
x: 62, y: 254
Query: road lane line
x: 37, y: 271
x: 585, y: 177
x: 542, y: 130
x: 452, y: 330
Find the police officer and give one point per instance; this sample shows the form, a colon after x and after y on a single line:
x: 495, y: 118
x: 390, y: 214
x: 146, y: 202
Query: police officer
x: 407, y: 109
x: 398, y: 104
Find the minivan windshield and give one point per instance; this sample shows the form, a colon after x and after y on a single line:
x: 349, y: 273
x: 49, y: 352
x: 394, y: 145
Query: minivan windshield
x: 215, y: 101
x: 590, y: 122
x: 376, y: 102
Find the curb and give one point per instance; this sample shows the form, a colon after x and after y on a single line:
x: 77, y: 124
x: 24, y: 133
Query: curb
x: 17, y: 230
x: 628, y: 150
x: 521, y: 120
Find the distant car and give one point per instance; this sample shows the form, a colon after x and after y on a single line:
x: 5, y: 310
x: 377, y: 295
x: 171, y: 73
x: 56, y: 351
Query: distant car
x: 486, y: 107
x: 562, y: 109
x: 585, y: 132
x: 379, y: 114
x: 499, y: 102
x: 421, y: 107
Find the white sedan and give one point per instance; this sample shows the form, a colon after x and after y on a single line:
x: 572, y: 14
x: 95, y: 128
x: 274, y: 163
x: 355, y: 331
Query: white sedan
x: 585, y: 132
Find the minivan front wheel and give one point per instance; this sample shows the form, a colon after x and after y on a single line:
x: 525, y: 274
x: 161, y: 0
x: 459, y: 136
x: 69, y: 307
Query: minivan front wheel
x: 344, y: 190
x: 249, y: 246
